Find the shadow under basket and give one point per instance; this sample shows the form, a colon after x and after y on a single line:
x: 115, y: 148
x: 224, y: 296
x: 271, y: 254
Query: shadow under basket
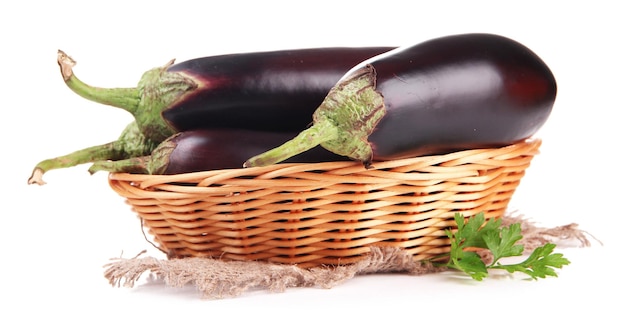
x: 327, y: 213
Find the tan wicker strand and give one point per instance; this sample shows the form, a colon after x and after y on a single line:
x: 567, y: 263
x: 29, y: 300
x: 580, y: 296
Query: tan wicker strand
x: 324, y: 213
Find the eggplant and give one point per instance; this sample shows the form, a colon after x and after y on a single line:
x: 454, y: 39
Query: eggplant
x: 447, y: 94
x: 271, y: 91
x: 210, y: 149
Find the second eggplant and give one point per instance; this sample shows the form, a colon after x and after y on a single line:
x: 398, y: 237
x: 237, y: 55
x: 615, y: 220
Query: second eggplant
x: 271, y: 90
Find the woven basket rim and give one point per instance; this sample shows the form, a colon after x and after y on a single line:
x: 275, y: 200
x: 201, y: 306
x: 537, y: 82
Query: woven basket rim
x: 453, y: 159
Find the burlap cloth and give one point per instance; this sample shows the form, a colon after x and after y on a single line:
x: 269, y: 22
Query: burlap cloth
x: 216, y: 278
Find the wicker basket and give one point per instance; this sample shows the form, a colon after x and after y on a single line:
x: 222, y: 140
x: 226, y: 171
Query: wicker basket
x: 324, y: 213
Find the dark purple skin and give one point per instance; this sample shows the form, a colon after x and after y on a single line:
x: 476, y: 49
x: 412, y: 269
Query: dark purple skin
x: 213, y: 149
x: 451, y: 93
x: 274, y: 91
x: 460, y: 92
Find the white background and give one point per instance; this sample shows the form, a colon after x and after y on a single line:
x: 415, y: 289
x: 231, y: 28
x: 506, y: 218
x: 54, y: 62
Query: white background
x: 57, y: 237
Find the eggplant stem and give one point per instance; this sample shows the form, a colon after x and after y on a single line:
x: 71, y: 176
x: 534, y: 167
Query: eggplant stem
x: 131, y: 143
x: 124, y: 98
x: 37, y: 177
x: 66, y: 63
x: 100, y: 152
x: 131, y: 165
x: 307, y: 139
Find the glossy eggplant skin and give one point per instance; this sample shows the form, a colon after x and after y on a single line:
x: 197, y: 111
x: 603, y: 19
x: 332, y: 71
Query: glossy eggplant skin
x: 459, y: 92
x: 214, y: 149
x: 272, y: 91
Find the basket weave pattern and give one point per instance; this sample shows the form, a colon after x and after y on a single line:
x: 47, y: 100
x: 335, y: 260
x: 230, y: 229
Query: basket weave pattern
x: 324, y: 213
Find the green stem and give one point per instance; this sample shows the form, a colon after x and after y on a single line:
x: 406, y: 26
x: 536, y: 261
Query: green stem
x: 100, y: 152
x: 341, y: 124
x: 131, y: 143
x: 155, y: 163
x: 124, y: 98
x: 156, y: 91
x: 318, y: 133
x: 131, y: 165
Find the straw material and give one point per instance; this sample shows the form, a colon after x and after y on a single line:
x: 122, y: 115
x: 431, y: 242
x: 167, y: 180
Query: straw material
x: 328, y: 213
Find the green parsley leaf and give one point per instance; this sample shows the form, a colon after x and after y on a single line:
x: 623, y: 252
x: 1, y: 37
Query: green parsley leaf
x: 539, y: 264
x: 501, y: 242
x: 471, y: 264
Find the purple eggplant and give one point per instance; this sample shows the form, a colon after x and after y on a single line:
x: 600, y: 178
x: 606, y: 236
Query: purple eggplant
x: 210, y: 149
x: 447, y: 94
x: 272, y: 91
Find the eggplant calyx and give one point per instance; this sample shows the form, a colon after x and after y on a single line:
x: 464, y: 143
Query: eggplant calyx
x: 159, y: 89
x: 355, y: 107
x: 341, y: 124
x: 160, y: 157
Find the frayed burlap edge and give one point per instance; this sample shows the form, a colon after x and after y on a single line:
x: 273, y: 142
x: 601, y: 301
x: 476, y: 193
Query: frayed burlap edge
x: 217, y: 279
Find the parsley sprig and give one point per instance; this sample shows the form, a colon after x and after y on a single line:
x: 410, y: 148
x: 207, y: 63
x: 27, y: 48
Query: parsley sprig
x: 501, y: 242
